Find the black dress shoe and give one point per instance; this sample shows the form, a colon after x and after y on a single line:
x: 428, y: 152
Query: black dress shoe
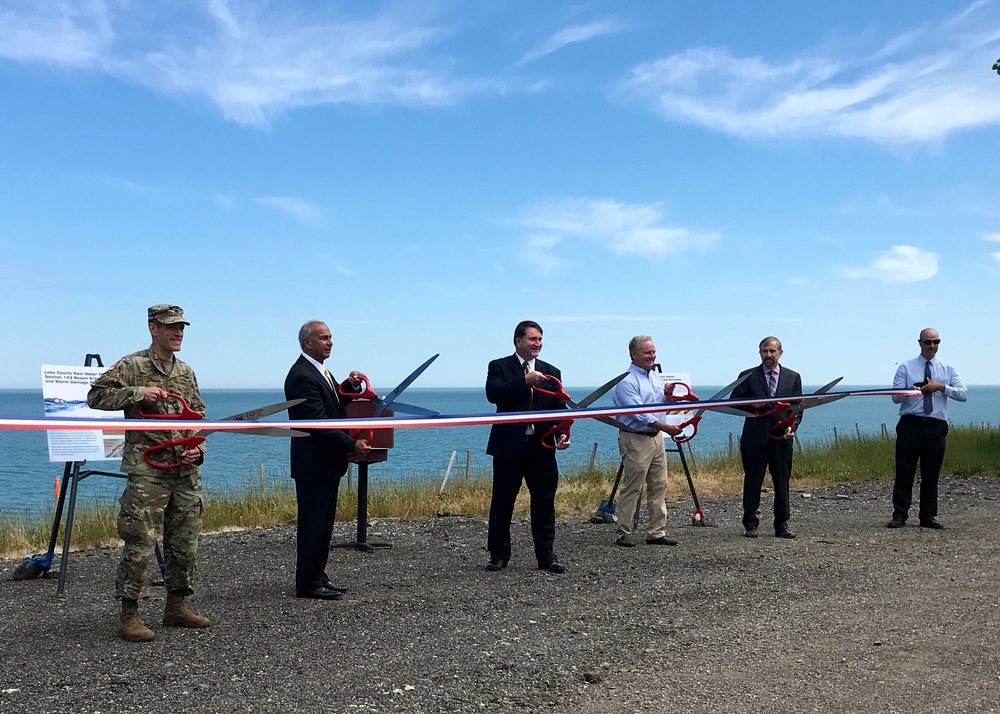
x: 330, y: 585
x: 895, y: 523
x: 554, y: 567
x: 662, y: 540
x: 320, y: 593
x: 496, y: 563
x: 784, y: 534
x: 751, y: 533
x: 930, y: 523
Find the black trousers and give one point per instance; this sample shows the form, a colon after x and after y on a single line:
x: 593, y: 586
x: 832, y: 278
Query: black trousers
x: 918, y: 440
x: 537, y: 467
x: 774, y: 455
x: 317, y: 508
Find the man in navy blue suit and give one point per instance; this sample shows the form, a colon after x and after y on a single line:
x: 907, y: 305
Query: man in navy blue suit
x: 318, y: 460
x: 517, y: 450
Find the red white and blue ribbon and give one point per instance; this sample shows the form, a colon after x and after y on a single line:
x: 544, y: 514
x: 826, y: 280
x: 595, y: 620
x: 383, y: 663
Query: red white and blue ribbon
x: 417, y: 422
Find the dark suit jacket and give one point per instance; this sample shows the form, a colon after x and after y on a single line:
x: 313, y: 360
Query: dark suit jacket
x: 757, y: 430
x: 321, y: 456
x: 505, y: 387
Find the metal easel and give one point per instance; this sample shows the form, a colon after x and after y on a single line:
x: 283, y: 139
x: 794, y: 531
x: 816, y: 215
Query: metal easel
x: 605, y: 512
x: 39, y: 566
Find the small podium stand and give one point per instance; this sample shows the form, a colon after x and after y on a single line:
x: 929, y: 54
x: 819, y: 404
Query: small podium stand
x: 382, y: 441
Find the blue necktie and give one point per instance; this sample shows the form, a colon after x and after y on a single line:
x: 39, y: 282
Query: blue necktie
x: 928, y: 400
x: 772, y: 383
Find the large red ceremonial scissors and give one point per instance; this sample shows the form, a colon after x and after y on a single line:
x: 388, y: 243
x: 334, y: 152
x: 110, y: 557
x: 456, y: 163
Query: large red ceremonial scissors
x: 797, y: 406
x: 383, y: 403
x: 561, y: 395
x: 692, y: 423
x: 198, y: 438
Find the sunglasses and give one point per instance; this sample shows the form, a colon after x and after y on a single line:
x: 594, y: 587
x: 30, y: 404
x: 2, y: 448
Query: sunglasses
x: 931, y: 342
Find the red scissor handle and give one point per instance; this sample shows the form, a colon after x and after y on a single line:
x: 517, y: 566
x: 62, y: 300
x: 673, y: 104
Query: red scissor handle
x: 772, y: 409
x: 369, y: 434
x: 563, y: 426
x: 778, y: 430
x: 366, y: 393
x: 186, y: 413
x: 559, y: 393
x: 190, y: 442
x: 687, y: 396
x: 693, y: 423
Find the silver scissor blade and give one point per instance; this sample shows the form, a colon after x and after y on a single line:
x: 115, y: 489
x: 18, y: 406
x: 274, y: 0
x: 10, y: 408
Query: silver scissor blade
x: 255, y: 414
x: 800, y: 405
x: 269, y: 431
x: 384, y: 402
x: 601, y: 391
x: 721, y: 395
x: 412, y: 409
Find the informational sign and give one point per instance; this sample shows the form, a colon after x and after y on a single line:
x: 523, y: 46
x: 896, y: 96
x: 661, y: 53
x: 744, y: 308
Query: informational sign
x: 669, y: 377
x: 64, y: 390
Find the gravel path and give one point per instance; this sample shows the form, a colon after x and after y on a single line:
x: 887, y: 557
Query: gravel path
x: 849, y: 617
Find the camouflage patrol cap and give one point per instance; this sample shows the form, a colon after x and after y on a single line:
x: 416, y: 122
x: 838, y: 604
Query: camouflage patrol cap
x: 167, y: 315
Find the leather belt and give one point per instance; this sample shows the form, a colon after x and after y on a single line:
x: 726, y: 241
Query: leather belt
x: 924, y: 419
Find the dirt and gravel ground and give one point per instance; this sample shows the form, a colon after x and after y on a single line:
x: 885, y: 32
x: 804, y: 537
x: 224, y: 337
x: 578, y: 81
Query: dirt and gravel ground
x: 849, y: 617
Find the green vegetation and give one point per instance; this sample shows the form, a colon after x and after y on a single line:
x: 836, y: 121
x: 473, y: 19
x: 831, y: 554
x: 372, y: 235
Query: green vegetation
x: 271, y: 501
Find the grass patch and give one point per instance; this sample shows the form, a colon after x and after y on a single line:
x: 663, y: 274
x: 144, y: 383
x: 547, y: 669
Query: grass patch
x: 270, y: 501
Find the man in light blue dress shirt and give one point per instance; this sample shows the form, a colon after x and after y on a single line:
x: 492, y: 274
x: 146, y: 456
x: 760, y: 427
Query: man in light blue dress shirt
x: 922, y: 428
x: 644, y: 460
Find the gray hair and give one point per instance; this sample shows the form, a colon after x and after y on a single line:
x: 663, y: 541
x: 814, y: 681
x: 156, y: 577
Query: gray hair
x: 305, y: 332
x: 768, y: 340
x: 633, y: 344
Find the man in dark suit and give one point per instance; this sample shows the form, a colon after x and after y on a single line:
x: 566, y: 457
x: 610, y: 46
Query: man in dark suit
x: 761, y: 449
x: 318, y: 460
x: 518, y: 452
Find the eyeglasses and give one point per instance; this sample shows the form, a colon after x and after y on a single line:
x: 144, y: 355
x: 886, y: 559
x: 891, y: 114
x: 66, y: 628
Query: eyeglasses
x: 931, y: 342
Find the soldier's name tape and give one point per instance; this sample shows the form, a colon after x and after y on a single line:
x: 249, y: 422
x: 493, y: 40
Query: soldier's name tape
x: 416, y: 422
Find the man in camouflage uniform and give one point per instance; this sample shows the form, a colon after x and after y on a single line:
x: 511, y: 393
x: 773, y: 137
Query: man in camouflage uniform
x: 155, y: 498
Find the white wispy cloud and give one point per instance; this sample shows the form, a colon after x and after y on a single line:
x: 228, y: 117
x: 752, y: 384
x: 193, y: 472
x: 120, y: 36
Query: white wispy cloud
x: 252, y: 60
x: 900, y: 264
x: 919, y: 87
x: 568, y: 36
x: 621, y: 228
x: 296, y: 207
x: 995, y: 237
x: 996, y: 256
x: 60, y: 32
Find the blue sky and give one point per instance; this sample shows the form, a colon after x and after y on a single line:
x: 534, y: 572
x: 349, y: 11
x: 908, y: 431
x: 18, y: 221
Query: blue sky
x: 423, y: 175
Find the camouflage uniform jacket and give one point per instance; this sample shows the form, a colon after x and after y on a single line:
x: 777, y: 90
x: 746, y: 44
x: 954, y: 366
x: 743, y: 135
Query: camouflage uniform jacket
x: 121, y: 387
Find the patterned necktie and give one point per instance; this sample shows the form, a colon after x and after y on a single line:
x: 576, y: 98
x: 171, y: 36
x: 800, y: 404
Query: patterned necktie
x: 531, y: 395
x: 329, y: 379
x: 928, y: 399
x: 772, y: 383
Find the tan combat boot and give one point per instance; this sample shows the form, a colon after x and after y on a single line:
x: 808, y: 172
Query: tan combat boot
x: 178, y: 614
x: 130, y: 626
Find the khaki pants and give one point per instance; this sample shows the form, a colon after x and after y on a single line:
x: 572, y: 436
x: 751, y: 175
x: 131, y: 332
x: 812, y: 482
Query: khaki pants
x: 645, y: 461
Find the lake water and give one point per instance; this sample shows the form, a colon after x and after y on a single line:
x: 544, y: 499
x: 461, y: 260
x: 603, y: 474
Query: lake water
x: 27, y: 477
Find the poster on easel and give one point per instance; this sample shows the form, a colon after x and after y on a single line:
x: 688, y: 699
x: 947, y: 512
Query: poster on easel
x: 676, y: 418
x: 64, y: 390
